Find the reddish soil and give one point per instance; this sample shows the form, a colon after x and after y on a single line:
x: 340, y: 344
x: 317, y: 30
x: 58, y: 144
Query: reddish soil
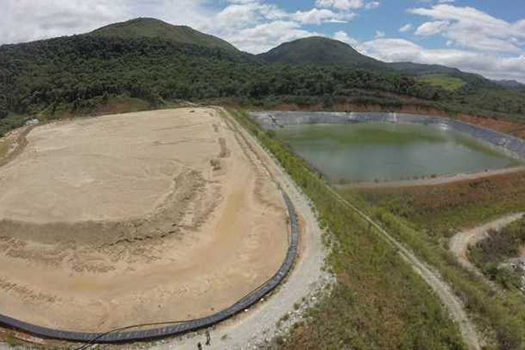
x: 501, y: 125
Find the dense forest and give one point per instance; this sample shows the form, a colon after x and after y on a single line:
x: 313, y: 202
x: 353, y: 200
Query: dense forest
x: 78, y: 73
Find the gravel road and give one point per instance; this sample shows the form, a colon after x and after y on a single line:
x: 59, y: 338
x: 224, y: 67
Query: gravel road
x: 460, y: 242
x: 431, y: 277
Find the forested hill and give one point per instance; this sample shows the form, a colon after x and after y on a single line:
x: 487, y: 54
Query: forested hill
x: 319, y: 51
x: 330, y: 52
x: 154, y: 28
x: 79, y: 74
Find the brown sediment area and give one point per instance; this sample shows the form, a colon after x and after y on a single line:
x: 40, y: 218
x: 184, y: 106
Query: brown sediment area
x: 136, y: 218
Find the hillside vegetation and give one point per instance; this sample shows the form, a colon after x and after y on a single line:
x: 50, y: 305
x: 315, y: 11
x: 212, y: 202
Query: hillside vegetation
x: 154, y: 28
x: 319, y: 51
x: 498, y: 248
x: 161, y: 64
x: 447, y: 82
x: 425, y: 217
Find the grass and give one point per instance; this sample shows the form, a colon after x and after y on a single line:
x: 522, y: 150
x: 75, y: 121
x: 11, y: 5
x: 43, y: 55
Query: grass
x: 153, y: 28
x: 444, y: 81
x: 441, y: 210
x: 4, y: 147
x: 378, y: 301
x: 425, y: 217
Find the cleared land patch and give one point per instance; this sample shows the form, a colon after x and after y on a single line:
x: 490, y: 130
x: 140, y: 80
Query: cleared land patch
x: 147, y: 217
x: 447, y: 82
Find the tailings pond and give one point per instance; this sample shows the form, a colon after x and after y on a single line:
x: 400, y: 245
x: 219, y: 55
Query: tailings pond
x: 382, y: 151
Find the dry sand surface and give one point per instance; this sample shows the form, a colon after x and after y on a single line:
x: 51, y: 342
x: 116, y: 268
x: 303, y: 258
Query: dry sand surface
x: 135, y: 218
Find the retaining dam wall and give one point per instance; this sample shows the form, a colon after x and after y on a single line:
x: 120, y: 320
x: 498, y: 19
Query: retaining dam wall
x: 510, y: 145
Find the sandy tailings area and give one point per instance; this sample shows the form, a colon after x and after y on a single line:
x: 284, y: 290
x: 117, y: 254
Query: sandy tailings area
x: 135, y: 218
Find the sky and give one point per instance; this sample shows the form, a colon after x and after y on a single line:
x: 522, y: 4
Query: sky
x: 480, y: 36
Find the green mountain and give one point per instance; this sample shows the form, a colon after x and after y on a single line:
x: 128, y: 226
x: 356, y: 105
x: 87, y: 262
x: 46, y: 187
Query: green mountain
x: 154, y: 28
x: 328, y: 52
x: 319, y: 51
x: 150, y: 63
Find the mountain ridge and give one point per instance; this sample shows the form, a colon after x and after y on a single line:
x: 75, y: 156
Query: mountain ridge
x: 324, y: 51
x: 318, y: 50
x: 146, y: 27
x: 150, y: 62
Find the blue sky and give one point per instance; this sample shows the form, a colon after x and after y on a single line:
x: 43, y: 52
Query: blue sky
x: 481, y: 36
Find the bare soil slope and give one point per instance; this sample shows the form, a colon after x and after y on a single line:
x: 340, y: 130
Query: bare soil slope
x: 135, y: 218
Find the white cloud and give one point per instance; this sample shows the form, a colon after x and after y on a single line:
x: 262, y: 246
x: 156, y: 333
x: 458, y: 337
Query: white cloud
x: 372, y: 5
x: 470, y: 27
x: 344, y: 37
x: 432, y: 28
x: 490, y: 65
x: 379, y: 34
x: 318, y: 16
x: 341, y: 4
x: 28, y: 19
x: 267, y: 35
x: 251, y: 25
x: 25, y: 20
x: 258, y: 25
x: 406, y: 28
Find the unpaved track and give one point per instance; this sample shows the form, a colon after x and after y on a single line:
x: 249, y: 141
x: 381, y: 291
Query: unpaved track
x: 440, y: 180
x: 431, y: 277
x: 461, y: 241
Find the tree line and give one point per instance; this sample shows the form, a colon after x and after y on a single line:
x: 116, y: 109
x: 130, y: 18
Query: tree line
x: 78, y: 72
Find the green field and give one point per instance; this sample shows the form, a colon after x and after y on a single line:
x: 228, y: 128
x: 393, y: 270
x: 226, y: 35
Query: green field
x: 444, y: 81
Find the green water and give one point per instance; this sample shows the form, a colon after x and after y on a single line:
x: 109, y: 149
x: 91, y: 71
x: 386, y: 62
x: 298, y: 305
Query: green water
x: 347, y: 153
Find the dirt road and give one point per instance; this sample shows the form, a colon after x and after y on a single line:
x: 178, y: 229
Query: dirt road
x: 432, y: 181
x: 461, y: 241
x: 431, y: 277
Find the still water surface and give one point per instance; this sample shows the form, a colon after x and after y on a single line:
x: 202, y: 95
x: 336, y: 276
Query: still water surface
x: 348, y: 153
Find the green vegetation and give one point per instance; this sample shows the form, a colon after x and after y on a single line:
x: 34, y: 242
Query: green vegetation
x: 497, y: 248
x: 447, y: 82
x: 154, y: 28
x: 76, y: 75
x: 4, y: 147
x: 378, y: 302
x: 319, y: 51
x: 162, y: 64
x: 371, y: 279
x: 442, y: 210
x: 425, y: 217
